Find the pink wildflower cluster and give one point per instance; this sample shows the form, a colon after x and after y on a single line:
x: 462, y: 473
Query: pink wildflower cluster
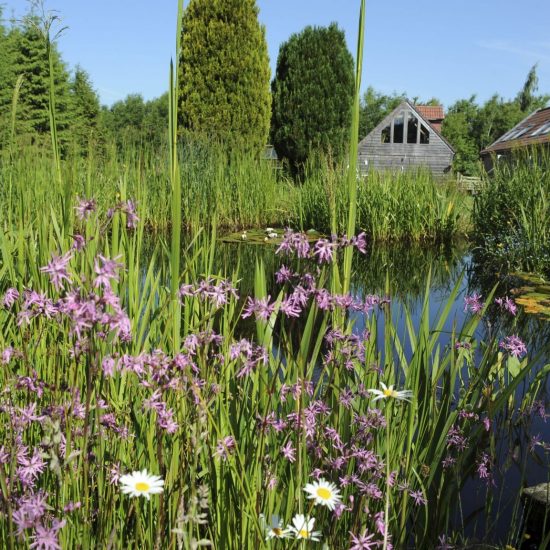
x: 507, y: 304
x: 218, y: 294
x: 513, y: 345
x: 323, y: 250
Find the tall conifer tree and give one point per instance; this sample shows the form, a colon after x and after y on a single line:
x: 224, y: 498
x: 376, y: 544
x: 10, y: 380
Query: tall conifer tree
x: 30, y: 59
x: 312, y: 94
x: 84, y: 107
x: 224, y: 73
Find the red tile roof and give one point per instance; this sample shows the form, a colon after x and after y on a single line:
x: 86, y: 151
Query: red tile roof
x: 532, y: 130
x: 431, y: 112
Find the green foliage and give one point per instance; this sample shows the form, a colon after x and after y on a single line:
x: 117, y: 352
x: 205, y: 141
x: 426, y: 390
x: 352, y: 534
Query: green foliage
x: 133, y: 122
x: 84, y: 108
x: 458, y: 128
x: 224, y: 73
x: 312, y: 95
x: 512, y: 214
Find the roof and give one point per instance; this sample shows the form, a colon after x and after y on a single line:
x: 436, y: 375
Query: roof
x: 532, y: 130
x: 269, y: 153
x: 431, y: 112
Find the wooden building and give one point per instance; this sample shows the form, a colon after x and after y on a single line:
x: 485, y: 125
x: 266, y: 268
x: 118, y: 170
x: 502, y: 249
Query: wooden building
x: 532, y: 130
x: 408, y: 137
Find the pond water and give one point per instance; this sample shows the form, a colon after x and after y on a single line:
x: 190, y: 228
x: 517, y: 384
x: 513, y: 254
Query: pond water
x: 408, y: 269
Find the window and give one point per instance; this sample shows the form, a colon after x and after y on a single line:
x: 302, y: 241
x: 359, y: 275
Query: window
x: 542, y: 130
x: 405, y: 128
x: 398, y: 126
x: 424, y: 135
x: 386, y: 134
x: 412, y: 128
x: 514, y: 134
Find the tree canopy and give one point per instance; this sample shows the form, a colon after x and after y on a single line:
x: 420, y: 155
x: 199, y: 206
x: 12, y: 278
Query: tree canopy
x: 24, y: 59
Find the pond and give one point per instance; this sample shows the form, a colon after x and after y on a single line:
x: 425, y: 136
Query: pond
x: 403, y: 272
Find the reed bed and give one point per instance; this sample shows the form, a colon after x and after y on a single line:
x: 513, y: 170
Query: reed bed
x: 235, y: 192
x: 511, y: 215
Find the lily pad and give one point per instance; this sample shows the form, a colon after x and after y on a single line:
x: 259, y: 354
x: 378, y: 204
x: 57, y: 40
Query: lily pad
x: 534, y: 296
x: 263, y: 236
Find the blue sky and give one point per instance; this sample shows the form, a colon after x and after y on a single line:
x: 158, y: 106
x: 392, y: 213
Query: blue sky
x: 443, y: 48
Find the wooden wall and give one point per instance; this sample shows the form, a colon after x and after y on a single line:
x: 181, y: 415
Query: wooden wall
x: 375, y: 155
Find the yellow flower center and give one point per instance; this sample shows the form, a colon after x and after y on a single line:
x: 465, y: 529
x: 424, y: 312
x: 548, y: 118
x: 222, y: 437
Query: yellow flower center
x: 142, y: 486
x: 277, y: 531
x: 304, y: 533
x: 389, y: 392
x: 324, y: 493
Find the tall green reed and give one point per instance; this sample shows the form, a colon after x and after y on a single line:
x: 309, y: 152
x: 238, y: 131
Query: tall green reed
x: 512, y: 213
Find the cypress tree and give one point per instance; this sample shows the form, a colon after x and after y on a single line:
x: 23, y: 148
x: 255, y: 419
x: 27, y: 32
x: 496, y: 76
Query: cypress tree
x: 312, y: 95
x: 224, y: 73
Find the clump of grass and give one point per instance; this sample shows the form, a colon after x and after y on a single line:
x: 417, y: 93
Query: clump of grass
x: 391, y: 206
x: 512, y: 214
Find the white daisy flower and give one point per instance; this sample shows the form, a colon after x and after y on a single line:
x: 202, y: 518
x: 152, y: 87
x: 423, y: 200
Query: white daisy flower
x: 275, y: 529
x: 138, y: 484
x: 324, y: 492
x: 302, y: 528
x: 385, y: 392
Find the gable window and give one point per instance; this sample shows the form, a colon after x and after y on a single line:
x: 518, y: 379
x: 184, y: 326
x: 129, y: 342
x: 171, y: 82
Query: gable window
x: 405, y: 128
x: 386, y: 134
x: 412, y: 128
x: 424, y: 135
x: 398, y: 126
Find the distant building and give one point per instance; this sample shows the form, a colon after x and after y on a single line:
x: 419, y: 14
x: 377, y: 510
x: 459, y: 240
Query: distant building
x: 532, y: 130
x: 270, y: 155
x: 409, y: 137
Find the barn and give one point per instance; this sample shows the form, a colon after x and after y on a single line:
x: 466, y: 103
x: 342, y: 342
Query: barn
x: 533, y: 130
x: 409, y: 137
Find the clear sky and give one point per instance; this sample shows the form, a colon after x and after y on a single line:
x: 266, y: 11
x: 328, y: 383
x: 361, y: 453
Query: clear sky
x: 449, y: 49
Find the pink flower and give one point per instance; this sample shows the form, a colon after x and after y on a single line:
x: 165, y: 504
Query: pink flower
x: 289, y: 452
x: 84, y: 208
x: 514, y: 346
x: 57, y: 269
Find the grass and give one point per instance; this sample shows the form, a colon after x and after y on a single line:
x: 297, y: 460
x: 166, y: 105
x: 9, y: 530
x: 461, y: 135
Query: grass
x: 512, y: 214
x: 237, y: 193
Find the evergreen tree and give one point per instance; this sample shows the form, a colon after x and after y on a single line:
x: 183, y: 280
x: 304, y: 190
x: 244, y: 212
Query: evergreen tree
x: 30, y: 59
x: 224, y: 73
x: 312, y: 95
x: 7, y: 81
x: 84, y: 108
